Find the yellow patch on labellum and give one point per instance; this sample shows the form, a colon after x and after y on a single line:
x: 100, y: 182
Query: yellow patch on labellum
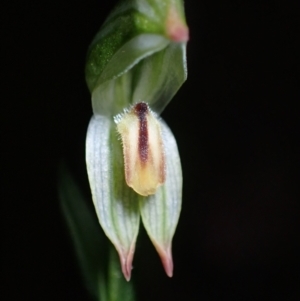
x: 142, y: 148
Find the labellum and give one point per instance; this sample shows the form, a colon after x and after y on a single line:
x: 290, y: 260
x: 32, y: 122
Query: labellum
x: 142, y: 148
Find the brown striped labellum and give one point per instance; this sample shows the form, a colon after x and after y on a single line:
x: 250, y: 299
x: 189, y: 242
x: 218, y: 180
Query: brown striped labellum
x: 143, y: 149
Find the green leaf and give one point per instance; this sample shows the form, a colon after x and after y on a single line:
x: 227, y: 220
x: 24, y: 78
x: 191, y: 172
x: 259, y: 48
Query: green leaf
x: 160, y: 212
x: 85, y: 232
x: 110, y: 85
x: 140, y: 38
x: 159, y: 76
x: 115, y: 203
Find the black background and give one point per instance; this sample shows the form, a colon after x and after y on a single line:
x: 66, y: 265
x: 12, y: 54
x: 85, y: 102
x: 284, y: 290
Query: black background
x: 235, y: 124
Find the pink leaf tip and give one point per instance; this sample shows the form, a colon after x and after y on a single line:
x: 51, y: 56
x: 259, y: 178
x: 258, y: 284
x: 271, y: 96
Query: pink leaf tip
x: 165, y: 254
x: 126, y: 262
x: 176, y: 28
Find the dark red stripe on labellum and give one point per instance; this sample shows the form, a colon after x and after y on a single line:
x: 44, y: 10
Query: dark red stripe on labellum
x: 141, y: 110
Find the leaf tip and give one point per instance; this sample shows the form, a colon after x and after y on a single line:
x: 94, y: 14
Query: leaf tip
x: 176, y: 28
x: 167, y: 262
x: 126, y: 262
x: 165, y: 254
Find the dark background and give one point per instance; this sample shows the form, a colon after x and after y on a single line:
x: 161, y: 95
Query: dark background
x: 235, y: 124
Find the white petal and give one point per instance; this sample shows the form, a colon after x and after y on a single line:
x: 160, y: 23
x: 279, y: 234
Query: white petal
x: 115, y: 203
x: 160, y: 212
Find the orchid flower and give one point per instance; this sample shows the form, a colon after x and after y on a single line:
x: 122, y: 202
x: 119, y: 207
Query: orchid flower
x: 135, y: 65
